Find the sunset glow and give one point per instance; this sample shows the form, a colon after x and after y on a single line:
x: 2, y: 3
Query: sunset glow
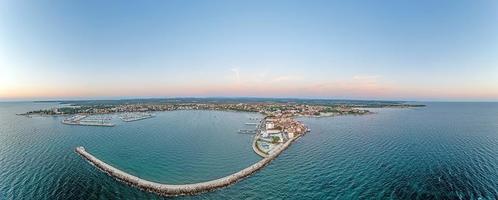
x: 353, y: 50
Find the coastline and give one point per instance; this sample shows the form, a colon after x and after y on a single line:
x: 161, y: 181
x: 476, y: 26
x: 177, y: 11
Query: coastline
x: 256, y: 149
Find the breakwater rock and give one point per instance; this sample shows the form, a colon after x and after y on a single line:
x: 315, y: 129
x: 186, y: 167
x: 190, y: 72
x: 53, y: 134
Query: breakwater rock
x: 183, y: 189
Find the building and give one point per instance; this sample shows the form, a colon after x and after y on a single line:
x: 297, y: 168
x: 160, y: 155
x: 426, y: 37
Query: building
x: 264, y: 133
x: 272, y: 131
x: 270, y: 125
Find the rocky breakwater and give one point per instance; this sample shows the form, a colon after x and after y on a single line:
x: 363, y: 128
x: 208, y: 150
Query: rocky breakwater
x: 183, y: 189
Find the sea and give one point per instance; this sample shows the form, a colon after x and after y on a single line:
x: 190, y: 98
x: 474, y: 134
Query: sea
x: 441, y: 151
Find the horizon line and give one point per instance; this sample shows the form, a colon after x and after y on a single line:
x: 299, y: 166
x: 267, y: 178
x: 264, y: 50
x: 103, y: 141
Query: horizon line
x: 239, y: 97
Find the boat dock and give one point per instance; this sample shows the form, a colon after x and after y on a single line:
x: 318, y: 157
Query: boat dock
x: 130, y: 117
x: 82, y: 120
x: 247, y: 131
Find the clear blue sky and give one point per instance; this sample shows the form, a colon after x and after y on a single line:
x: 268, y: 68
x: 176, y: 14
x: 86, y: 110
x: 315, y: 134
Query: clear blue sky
x: 414, y: 50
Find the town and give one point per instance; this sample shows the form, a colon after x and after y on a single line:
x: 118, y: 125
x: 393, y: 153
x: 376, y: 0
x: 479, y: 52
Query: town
x: 275, y: 131
x: 270, y: 109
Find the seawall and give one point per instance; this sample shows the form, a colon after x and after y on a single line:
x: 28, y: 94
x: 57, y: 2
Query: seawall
x: 183, y: 189
x: 256, y: 149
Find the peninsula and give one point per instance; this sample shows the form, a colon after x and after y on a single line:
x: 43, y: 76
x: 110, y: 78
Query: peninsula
x: 274, y: 133
x: 267, y: 106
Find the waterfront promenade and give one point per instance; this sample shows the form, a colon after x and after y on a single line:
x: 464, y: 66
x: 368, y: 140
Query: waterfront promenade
x: 182, y: 189
x: 256, y: 149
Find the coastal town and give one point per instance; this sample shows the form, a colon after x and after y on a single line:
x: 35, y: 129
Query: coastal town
x: 273, y: 132
x: 271, y: 109
x: 278, y: 125
x: 280, y: 114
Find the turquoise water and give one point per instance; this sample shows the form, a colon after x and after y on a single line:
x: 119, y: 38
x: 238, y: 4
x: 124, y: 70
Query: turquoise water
x: 442, y: 151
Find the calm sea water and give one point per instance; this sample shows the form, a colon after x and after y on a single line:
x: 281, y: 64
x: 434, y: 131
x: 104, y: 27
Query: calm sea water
x: 442, y: 151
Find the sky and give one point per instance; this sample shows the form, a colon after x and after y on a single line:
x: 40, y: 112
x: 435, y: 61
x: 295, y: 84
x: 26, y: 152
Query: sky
x: 425, y: 50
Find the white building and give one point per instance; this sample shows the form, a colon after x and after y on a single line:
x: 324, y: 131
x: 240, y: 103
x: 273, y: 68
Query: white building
x: 264, y: 133
x: 272, y: 131
x: 270, y: 125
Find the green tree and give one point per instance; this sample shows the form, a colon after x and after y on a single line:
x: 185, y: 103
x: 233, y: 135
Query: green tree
x: 275, y: 139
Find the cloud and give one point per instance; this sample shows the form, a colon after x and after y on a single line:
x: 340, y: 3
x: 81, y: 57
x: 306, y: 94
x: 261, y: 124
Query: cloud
x: 286, y: 78
x: 259, y: 78
x: 236, y: 73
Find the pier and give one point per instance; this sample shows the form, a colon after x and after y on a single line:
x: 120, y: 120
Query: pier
x: 183, y: 189
x: 247, y: 131
x: 130, y: 117
x: 83, y: 120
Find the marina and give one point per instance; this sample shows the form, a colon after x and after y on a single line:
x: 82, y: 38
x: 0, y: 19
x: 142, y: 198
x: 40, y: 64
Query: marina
x: 135, y: 116
x: 84, y: 120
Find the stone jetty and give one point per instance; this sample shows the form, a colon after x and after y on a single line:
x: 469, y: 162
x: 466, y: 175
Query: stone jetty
x: 183, y: 189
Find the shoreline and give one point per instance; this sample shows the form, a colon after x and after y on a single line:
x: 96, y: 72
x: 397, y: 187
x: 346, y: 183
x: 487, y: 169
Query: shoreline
x: 256, y: 149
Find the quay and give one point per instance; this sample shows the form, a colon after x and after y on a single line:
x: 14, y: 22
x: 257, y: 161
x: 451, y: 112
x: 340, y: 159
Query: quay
x: 247, y: 131
x: 182, y: 189
x: 257, y: 150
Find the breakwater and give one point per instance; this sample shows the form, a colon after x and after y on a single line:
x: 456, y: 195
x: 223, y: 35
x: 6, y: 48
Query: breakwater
x: 182, y: 189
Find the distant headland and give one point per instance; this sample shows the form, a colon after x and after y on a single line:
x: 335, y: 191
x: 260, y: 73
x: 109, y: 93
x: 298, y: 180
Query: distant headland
x: 267, y: 106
